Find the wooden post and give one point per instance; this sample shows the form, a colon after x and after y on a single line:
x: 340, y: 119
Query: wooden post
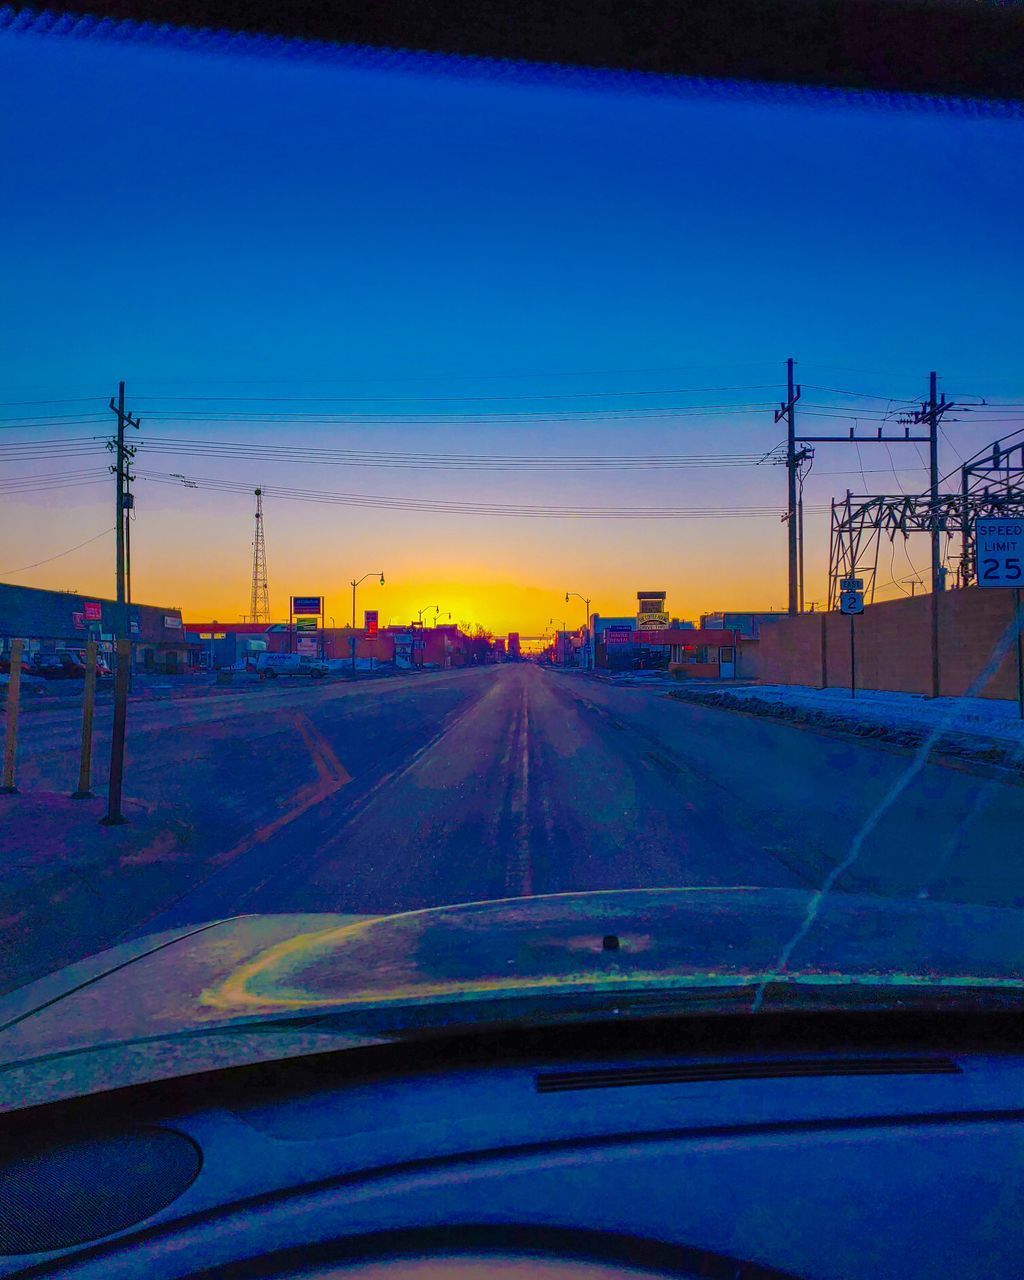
x: 114, y: 817
x: 824, y: 650
x: 1018, y: 617
x: 85, y: 791
x: 7, y: 787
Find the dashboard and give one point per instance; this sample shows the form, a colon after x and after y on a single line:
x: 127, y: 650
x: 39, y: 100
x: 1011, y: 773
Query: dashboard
x: 424, y: 1163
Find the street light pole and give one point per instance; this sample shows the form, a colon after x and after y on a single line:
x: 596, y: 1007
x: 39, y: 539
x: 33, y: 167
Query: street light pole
x: 589, y: 655
x: 355, y: 583
x: 551, y: 623
x: 421, y: 612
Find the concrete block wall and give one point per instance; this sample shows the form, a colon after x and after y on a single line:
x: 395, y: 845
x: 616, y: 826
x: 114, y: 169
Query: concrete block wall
x: 893, y: 646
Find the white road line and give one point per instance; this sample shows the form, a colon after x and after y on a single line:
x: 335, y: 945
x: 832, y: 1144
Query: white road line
x: 519, y: 874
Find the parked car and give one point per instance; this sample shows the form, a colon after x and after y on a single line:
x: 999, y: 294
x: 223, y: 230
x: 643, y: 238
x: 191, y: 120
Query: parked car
x: 272, y: 665
x: 78, y: 656
x: 57, y: 666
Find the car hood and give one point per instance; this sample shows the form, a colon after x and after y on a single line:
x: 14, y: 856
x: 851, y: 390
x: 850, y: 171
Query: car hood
x: 261, y: 987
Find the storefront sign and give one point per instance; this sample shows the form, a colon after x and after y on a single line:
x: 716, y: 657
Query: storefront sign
x: 371, y: 618
x: 78, y: 621
x: 403, y: 650
x: 618, y: 635
x: 308, y: 604
x: 172, y: 622
x: 307, y: 624
x: 92, y: 610
x: 652, y: 621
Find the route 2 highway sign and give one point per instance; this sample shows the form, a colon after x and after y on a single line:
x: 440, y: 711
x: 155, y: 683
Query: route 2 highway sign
x: 999, y: 552
x: 851, y: 602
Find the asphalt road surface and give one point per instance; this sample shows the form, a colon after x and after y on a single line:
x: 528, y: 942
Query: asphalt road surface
x: 466, y: 785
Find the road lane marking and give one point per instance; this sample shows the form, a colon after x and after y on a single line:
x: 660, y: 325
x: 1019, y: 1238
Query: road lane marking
x: 327, y: 763
x: 519, y: 873
x: 331, y: 777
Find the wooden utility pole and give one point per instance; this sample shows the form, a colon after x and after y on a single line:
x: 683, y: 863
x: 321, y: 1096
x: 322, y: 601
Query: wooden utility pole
x: 788, y: 411
x: 122, y: 629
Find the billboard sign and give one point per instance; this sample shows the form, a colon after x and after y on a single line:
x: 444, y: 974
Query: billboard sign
x: 172, y: 622
x: 92, y: 610
x: 371, y: 621
x: 650, y: 610
x: 403, y: 649
x: 999, y: 552
x: 308, y: 604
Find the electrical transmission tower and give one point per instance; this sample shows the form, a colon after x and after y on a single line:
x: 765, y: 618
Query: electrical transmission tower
x: 259, y: 600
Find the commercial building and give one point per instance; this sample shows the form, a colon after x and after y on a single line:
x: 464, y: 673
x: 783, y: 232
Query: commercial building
x: 219, y: 645
x: 52, y: 620
x: 747, y: 624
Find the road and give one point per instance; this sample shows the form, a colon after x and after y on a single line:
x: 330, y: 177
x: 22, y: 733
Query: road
x: 465, y: 785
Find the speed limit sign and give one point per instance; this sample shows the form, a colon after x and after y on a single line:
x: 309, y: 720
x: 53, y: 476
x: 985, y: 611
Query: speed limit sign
x: 999, y: 552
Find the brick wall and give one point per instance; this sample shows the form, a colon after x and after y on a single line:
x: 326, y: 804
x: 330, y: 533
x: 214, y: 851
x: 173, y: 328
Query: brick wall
x: 893, y: 646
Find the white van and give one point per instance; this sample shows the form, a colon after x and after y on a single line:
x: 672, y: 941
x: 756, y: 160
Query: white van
x: 271, y: 665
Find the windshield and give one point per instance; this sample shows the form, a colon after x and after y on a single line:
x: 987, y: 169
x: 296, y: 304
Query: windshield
x: 431, y: 483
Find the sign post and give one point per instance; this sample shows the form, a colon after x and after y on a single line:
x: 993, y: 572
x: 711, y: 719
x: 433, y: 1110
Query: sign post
x: 999, y: 555
x: 851, y: 602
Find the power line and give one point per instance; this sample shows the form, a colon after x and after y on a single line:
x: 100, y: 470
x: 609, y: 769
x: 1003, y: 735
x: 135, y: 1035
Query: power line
x: 535, y: 395
x: 453, y: 507
x: 25, y: 567
x: 321, y: 456
x: 861, y: 395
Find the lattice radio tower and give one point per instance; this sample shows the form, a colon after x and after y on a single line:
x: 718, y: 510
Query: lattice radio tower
x: 259, y: 602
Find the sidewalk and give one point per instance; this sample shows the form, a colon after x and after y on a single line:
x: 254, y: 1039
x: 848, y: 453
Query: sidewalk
x: 38, y: 695
x: 984, y: 729
x: 70, y: 884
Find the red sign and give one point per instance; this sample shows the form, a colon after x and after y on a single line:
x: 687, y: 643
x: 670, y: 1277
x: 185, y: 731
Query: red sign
x: 371, y: 618
x: 93, y: 611
x: 78, y: 621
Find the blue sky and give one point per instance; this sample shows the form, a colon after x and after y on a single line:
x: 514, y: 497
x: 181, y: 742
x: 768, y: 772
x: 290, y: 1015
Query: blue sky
x: 204, y: 223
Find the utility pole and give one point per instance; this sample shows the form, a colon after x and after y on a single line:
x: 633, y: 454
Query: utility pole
x: 787, y: 410
x: 930, y: 415
x: 122, y: 630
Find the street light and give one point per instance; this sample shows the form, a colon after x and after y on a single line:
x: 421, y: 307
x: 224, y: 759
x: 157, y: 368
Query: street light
x: 587, y: 658
x: 355, y: 583
x: 426, y: 607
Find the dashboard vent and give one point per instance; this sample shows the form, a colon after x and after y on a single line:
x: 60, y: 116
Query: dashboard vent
x: 55, y: 1197
x: 699, y: 1073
